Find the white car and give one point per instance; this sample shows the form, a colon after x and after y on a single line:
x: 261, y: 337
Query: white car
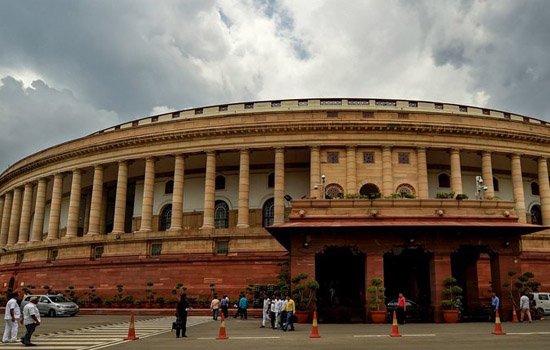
x: 52, y: 305
x: 541, y: 301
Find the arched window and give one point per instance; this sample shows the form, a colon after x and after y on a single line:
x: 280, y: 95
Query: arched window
x: 268, y: 212
x: 405, y: 190
x: 496, y: 185
x: 169, y: 187
x: 444, y: 181
x: 221, y: 215
x: 334, y: 191
x: 220, y: 182
x: 535, y: 189
x: 165, y: 218
x: 536, y: 215
x: 271, y: 180
x: 369, y: 188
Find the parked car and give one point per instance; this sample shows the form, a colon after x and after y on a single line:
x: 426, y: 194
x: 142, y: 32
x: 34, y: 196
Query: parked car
x: 53, y: 305
x: 541, y: 302
x: 414, y: 312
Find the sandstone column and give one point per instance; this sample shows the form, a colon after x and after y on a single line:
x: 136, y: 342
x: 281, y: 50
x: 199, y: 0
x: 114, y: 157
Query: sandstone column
x: 148, y: 196
x: 351, y: 171
x: 422, y: 179
x: 209, y: 190
x: 87, y: 206
x: 315, y: 173
x: 487, y: 173
x: 244, y: 188
x: 456, y: 172
x: 1, y: 210
x: 177, y: 195
x: 39, y: 209
x: 97, y: 198
x: 26, y: 214
x: 6, y: 216
x: 517, y: 183
x: 120, y: 200
x: 279, y: 190
x: 15, y: 216
x: 387, y: 175
x: 55, y: 207
x: 544, y: 188
x: 74, y: 204
x: 440, y: 269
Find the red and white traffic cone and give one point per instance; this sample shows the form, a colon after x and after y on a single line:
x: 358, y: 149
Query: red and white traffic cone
x: 131, y: 330
x: 222, y: 334
x: 394, y: 327
x: 514, y: 316
x: 315, y: 328
x: 498, y: 326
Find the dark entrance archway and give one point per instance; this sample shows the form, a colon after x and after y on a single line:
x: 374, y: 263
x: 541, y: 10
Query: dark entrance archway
x: 407, y: 271
x: 340, y: 272
x: 11, y: 284
x: 369, y: 189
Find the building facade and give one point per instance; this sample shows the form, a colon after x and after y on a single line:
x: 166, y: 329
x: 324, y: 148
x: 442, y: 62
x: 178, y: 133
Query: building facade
x: 186, y: 197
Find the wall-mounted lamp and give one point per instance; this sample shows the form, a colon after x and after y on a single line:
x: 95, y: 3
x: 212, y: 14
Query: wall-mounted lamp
x: 307, y: 239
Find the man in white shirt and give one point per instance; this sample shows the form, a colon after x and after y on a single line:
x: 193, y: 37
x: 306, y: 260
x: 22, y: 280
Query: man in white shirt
x: 12, y: 316
x: 524, y: 305
x: 265, y: 309
x: 31, y: 320
x: 273, y: 311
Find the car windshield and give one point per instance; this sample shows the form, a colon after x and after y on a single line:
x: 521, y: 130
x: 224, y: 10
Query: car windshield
x: 58, y: 299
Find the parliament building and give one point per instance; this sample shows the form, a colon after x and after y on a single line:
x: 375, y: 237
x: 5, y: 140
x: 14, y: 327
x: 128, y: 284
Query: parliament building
x: 345, y: 190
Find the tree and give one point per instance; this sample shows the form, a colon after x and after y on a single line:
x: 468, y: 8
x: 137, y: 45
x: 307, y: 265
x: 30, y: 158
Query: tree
x: 453, y: 294
x: 376, y: 290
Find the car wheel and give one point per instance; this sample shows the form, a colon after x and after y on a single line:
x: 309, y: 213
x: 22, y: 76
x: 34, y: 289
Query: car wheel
x: 73, y: 315
x: 51, y: 313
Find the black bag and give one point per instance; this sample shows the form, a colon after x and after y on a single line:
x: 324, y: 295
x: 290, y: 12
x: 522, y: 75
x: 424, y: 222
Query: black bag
x: 294, y: 319
x: 177, y: 325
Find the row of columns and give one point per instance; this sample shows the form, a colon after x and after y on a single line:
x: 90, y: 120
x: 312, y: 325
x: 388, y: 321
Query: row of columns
x: 16, y: 206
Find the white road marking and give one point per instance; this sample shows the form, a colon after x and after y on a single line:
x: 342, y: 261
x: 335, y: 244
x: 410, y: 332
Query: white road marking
x: 387, y: 335
x: 242, y: 338
x: 528, y: 333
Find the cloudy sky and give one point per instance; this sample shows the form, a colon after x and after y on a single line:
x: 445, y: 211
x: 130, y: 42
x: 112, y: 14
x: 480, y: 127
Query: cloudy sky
x: 68, y: 68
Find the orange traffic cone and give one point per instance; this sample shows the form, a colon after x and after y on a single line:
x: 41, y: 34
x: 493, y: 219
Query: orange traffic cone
x: 498, y: 326
x: 394, y: 327
x: 514, y: 315
x: 222, y: 334
x: 131, y: 330
x: 314, y: 329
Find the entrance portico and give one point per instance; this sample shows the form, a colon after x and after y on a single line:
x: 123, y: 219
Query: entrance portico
x: 407, y: 242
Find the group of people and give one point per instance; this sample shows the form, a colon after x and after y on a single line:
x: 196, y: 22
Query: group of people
x: 12, y: 317
x: 280, y: 312
x: 524, y: 306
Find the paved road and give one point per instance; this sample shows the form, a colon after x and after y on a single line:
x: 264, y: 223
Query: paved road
x: 106, y: 332
x: 98, y: 332
x: 247, y: 335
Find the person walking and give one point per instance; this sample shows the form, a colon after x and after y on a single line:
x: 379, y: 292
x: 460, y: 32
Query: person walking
x: 290, y: 309
x: 495, y: 304
x: 282, y: 313
x: 215, y: 306
x: 265, y: 309
x: 243, y: 305
x: 31, y: 320
x: 274, y: 311
x: 12, y: 316
x: 524, y: 305
x: 224, y: 304
x: 401, y: 309
x: 181, y: 313
x: 238, y: 306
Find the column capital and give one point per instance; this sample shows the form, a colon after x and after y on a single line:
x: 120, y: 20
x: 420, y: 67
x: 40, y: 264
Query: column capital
x: 99, y: 166
x: 210, y: 153
x: 515, y: 155
x: 315, y: 147
x: 351, y: 147
x: 454, y: 150
x: 542, y: 159
x: 387, y: 148
x: 151, y: 159
x: 279, y: 149
x: 77, y: 170
x: 244, y: 150
x: 421, y: 148
x: 484, y: 151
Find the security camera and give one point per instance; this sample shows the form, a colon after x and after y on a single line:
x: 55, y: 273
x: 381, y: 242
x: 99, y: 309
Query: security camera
x: 316, y: 187
x: 484, y: 188
x: 323, y: 176
x: 479, y: 179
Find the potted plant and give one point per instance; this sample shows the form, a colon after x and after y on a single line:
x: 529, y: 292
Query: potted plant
x: 453, y: 303
x: 139, y: 304
x: 159, y: 303
x: 117, y: 299
x: 96, y: 302
x: 70, y: 293
x: 151, y: 295
x: 377, y: 297
x: 108, y: 303
x: 128, y: 302
x: 304, y: 297
x: 171, y: 303
x: 523, y: 284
